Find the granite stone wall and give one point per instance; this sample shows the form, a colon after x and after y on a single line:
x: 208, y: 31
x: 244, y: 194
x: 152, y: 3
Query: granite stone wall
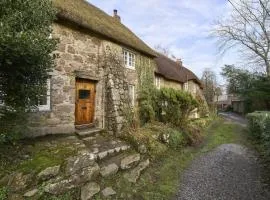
x: 85, y: 55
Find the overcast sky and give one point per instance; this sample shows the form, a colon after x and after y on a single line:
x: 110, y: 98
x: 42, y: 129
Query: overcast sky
x: 183, y: 26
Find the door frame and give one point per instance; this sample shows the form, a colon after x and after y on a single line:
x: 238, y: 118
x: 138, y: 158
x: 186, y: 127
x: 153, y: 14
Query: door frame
x: 94, y: 82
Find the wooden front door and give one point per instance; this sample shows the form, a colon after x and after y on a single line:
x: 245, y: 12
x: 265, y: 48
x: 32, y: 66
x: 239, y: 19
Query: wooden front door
x: 85, y: 101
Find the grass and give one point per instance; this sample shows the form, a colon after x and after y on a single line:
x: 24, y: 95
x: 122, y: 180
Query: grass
x: 3, y: 193
x: 34, y: 157
x: 222, y: 132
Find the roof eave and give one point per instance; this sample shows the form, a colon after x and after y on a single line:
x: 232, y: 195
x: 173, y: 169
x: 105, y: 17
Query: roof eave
x: 62, y: 16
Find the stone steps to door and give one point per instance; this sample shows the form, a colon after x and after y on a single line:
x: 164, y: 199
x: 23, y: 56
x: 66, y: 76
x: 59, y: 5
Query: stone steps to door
x: 82, y: 133
x: 102, y: 147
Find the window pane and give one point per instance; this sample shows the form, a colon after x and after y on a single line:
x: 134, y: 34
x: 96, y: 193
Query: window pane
x: 84, y: 94
x: 42, y: 100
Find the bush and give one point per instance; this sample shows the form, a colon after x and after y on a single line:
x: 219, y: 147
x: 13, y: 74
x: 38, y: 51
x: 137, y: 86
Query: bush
x: 256, y: 123
x: 12, y: 126
x: 259, y: 129
x: 3, y: 193
x: 174, y: 106
x: 177, y: 139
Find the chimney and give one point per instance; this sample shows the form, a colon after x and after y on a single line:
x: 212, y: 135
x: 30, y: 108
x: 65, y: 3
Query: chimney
x: 179, y: 62
x: 116, y: 16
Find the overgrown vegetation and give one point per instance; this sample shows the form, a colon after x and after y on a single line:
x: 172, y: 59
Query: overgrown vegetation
x: 25, y: 57
x: 161, y: 180
x: 3, y: 193
x: 259, y: 130
x: 253, y: 88
x: 174, y: 106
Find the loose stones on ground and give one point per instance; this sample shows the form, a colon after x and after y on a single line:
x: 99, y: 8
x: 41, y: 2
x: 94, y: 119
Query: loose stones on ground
x: 48, y: 173
x: 108, y: 170
x: 135, y: 173
x: 89, y: 190
x: 129, y: 161
x: 108, y: 191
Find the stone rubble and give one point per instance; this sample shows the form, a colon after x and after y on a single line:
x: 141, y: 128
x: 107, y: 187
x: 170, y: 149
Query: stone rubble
x: 89, y: 190
x: 31, y: 193
x: 108, y: 191
x: 48, y: 173
x: 135, y: 173
x: 109, y: 170
x: 129, y: 161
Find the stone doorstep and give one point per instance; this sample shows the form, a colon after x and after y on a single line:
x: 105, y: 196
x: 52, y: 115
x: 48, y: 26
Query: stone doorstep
x: 87, y: 132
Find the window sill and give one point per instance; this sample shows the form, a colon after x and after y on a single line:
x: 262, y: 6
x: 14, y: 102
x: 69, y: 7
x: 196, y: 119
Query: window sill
x: 129, y: 67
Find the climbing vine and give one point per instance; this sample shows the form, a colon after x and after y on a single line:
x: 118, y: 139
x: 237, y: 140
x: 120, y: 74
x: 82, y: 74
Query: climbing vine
x: 146, y: 89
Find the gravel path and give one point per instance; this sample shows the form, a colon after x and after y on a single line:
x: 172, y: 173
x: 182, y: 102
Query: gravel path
x: 229, y: 172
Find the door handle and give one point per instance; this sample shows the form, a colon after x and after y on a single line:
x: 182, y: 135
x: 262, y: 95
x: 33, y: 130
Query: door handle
x: 84, y: 107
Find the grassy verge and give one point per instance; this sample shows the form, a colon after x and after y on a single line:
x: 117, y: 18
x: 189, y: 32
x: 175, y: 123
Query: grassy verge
x: 161, y: 180
x: 223, y: 132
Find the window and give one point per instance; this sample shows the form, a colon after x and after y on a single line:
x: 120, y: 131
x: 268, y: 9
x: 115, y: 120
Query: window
x: 131, y: 90
x: 186, y: 86
x: 157, y: 82
x: 44, y: 103
x: 84, y: 94
x: 129, y: 59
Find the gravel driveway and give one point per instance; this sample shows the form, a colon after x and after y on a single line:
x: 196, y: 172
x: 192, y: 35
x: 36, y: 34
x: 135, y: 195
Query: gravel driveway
x: 229, y: 172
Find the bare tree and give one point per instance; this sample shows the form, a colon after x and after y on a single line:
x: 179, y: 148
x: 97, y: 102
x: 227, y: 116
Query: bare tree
x: 165, y: 50
x: 209, y: 81
x: 247, y: 27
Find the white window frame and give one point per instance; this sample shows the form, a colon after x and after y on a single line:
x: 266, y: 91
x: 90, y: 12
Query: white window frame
x: 129, y: 59
x: 47, y: 106
x: 157, y: 82
x: 131, y: 91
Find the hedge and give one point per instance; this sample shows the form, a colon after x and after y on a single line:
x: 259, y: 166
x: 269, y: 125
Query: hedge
x: 259, y: 128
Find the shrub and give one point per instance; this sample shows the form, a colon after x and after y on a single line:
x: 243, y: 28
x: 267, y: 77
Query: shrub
x: 174, y: 106
x: 259, y: 129
x: 12, y: 126
x: 256, y: 123
x: 3, y: 193
x: 177, y: 139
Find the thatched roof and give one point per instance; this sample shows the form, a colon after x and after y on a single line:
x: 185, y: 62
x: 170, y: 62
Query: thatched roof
x: 95, y: 20
x: 172, y: 70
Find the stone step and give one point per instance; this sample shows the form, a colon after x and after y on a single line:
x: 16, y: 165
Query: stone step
x: 122, y: 160
x: 102, y: 147
x: 88, y: 132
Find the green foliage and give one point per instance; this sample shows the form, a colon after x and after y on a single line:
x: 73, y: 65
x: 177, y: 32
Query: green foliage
x: 177, y: 140
x: 3, y: 193
x: 203, y: 108
x: 11, y: 126
x: 146, y: 90
x: 25, y: 57
x: 67, y: 196
x: 259, y: 129
x: 174, y: 106
x: 25, y: 50
x: 253, y: 88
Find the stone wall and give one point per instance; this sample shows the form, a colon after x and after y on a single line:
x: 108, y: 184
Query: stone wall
x: 165, y: 83
x: 85, y: 55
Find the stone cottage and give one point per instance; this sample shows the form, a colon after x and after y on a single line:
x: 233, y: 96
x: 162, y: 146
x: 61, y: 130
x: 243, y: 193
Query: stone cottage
x: 95, y: 77
x: 172, y: 74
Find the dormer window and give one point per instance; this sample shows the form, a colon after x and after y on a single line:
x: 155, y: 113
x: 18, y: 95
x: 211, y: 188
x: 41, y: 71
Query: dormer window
x: 129, y: 59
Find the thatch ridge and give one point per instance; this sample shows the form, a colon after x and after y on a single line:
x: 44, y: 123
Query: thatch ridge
x: 171, y: 70
x: 94, y: 19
